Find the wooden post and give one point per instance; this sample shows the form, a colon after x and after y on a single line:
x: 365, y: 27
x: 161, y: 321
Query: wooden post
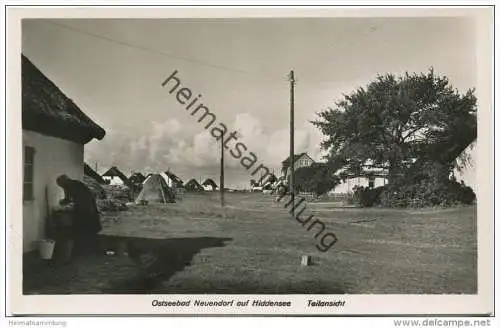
x: 222, y: 171
x: 292, y: 155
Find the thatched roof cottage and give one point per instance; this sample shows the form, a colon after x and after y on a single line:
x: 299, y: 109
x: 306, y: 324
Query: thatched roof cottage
x: 55, y: 131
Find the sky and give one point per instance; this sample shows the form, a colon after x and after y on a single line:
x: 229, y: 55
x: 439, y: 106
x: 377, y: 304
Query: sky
x: 113, y: 70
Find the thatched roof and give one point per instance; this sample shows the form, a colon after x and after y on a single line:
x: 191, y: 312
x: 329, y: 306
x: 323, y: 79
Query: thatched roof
x: 136, y: 178
x: 178, y: 181
x: 47, y: 110
x: 137, y: 175
x: 210, y: 182
x: 95, y: 187
x: 193, y: 185
x: 87, y: 170
x: 115, y: 172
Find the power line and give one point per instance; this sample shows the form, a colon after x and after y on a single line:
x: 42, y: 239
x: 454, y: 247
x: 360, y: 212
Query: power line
x: 203, y: 63
x: 160, y: 53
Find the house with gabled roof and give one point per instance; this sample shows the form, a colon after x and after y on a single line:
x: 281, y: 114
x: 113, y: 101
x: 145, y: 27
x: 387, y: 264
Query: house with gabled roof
x: 193, y: 186
x: 88, y: 171
x: 136, y: 178
x: 114, y: 176
x: 54, y: 133
x: 368, y: 177
x: 209, y: 185
x: 173, y: 181
x: 299, y: 160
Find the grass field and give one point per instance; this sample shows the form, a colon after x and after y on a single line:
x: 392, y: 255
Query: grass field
x: 255, y: 246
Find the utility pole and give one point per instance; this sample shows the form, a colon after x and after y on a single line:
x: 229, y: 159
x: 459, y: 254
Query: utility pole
x: 222, y: 171
x: 292, y: 155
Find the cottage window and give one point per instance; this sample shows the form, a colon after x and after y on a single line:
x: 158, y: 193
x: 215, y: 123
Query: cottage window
x: 28, y: 176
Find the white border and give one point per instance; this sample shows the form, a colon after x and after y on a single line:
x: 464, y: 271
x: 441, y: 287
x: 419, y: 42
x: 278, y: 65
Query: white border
x: 355, y: 304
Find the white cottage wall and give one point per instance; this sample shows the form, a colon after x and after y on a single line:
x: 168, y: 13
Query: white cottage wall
x: 346, y: 187
x: 53, y: 157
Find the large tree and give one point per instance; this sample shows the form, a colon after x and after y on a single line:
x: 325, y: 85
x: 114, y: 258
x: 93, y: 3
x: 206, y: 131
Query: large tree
x: 396, y: 123
x: 318, y: 178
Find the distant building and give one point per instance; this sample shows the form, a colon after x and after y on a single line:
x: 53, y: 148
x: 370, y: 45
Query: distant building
x: 209, y: 185
x: 94, y: 182
x: 136, y: 178
x: 135, y: 183
x: 347, y: 186
x: 268, y: 182
x: 54, y: 133
x: 299, y: 160
x: 173, y: 181
x: 88, y: 171
x: 193, y: 186
x: 114, y: 176
x: 371, y: 179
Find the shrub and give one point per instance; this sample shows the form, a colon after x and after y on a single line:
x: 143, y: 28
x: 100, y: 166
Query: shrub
x: 426, y: 184
x: 427, y: 193
x: 317, y: 178
x: 367, y: 197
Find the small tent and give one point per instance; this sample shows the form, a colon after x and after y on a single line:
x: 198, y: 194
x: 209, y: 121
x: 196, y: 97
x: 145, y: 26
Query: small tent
x: 193, y: 186
x: 155, y: 190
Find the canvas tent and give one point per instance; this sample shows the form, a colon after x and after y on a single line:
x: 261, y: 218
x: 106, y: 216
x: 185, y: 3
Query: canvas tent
x: 155, y: 190
x: 193, y: 186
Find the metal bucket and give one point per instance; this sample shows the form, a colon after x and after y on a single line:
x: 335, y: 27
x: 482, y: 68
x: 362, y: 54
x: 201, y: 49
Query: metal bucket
x: 46, y: 248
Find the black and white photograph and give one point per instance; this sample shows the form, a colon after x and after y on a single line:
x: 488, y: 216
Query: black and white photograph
x: 270, y: 156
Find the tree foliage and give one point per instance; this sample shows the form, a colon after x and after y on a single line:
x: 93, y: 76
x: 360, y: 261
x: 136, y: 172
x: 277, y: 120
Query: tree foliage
x: 396, y: 123
x: 317, y: 178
